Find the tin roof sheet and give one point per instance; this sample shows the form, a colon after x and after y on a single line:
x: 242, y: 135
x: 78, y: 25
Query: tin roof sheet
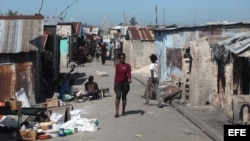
x: 20, y: 33
x: 141, y: 33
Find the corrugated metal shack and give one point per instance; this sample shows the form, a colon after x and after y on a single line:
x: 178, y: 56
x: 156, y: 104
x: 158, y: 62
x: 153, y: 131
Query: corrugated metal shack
x: 53, y: 38
x: 231, y: 85
x: 204, y: 81
x: 172, y: 38
x: 68, y: 34
x: 21, y: 39
x: 138, y: 45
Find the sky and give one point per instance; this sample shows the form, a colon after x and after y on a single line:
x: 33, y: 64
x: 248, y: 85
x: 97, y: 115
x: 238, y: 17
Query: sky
x: 113, y: 12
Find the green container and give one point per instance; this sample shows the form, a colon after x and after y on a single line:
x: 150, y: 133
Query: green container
x: 68, y: 132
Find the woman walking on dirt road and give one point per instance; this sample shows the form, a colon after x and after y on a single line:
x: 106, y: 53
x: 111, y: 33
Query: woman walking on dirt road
x: 121, y: 84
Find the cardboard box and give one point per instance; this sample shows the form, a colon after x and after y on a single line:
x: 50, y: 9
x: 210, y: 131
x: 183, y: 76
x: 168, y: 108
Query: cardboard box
x: 54, y: 102
x: 14, y: 105
x: 46, y: 125
x: 28, y: 134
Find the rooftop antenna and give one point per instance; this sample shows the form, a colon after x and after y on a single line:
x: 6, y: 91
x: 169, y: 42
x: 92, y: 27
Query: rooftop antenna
x: 67, y: 8
x: 40, y: 8
x: 62, y: 19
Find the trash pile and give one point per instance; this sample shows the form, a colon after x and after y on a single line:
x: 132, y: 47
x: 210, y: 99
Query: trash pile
x: 42, y: 122
x: 55, y: 127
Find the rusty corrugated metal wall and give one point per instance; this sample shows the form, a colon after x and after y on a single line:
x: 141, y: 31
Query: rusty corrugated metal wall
x: 177, y: 38
x: 20, y: 45
x: 14, y: 77
x: 7, y: 80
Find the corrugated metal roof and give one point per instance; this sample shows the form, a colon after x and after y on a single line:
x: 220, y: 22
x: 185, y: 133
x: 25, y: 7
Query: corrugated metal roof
x: 191, y: 28
x: 147, y: 34
x: 20, y: 33
x: 141, y: 33
x: 237, y: 44
x: 134, y: 33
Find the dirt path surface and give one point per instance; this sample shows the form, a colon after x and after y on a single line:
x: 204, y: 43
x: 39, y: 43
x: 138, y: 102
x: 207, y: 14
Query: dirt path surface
x: 142, y: 123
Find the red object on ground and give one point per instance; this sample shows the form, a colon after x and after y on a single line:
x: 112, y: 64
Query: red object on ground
x: 2, y: 104
x: 44, y: 137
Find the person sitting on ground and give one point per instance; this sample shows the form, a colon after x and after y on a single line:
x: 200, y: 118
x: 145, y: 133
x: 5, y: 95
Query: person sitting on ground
x: 91, y: 89
x: 66, y: 90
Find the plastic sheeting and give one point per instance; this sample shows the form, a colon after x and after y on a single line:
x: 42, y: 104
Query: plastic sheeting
x: 220, y: 53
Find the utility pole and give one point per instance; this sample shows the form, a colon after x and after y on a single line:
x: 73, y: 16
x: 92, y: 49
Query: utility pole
x: 194, y: 24
x: 124, y: 16
x: 156, y: 19
x: 164, y: 22
x: 105, y: 26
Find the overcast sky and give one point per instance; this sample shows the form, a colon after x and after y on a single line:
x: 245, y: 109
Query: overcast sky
x: 113, y: 12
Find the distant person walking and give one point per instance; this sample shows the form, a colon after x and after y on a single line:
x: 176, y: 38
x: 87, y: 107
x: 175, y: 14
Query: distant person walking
x: 98, y: 52
x: 104, y: 51
x: 121, y: 84
x: 82, y: 55
x: 116, y: 51
x: 153, y: 81
x: 110, y: 48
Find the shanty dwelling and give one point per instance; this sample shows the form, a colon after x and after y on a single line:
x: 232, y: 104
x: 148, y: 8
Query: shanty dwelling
x: 20, y: 45
x: 219, y: 75
x: 92, y: 38
x: 66, y: 33
x: 116, y: 36
x: 89, y: 32
x: 200, y: 75
x: 77, y: 33
x: 232, y: 57
x: 138, y: 45
x: 51, y: 44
